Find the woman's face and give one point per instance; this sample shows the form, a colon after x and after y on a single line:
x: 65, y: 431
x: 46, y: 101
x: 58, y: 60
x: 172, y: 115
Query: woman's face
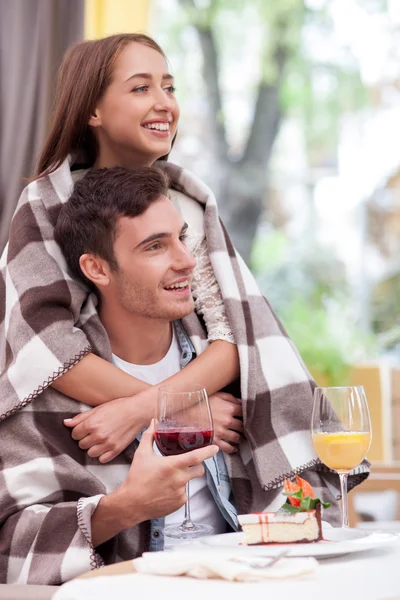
x: 136, y: 119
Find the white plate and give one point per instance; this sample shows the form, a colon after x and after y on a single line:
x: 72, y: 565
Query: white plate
x: 337, y: 542
x: 391, y: 526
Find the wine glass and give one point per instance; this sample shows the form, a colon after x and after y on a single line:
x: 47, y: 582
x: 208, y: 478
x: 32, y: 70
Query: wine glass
x: 183, y: 423
x: 341, y: 432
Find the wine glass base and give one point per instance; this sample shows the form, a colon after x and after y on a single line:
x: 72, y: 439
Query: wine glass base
x: 180, y: 532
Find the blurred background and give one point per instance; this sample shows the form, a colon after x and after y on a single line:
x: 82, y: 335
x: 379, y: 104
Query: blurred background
x: 291, y: 113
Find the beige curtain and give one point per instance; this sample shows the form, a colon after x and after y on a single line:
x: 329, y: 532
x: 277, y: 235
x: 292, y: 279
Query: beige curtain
x: 34, y: 35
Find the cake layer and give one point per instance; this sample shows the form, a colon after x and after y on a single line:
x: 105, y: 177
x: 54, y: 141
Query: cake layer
x: 272, y: 517
x: 281, y: 533
x: 281, y: 527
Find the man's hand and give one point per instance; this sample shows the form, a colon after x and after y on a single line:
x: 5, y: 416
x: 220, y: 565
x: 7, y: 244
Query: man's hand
x: 163, y: 479
x: 154, y: 487
x: 105, y: 431
x: 226, y: 412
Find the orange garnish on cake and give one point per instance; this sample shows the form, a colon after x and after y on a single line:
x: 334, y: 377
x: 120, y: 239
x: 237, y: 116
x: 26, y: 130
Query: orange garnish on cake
x: 301, y: 484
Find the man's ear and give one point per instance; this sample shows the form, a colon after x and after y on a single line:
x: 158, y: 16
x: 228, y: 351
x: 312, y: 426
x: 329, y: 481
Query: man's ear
x: 96, y: 269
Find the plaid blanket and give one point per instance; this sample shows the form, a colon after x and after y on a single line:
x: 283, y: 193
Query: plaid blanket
x: 49, y: 488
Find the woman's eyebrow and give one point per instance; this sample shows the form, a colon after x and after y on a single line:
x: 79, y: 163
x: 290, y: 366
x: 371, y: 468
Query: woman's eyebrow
x: 166, y: 76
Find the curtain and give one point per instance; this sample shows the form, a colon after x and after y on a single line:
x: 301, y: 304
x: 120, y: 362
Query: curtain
x: 34, y: 35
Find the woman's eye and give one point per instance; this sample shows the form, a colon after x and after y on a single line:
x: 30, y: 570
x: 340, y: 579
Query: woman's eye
x: 183, y: 237
x: 171, y: 89
x: 141, y: 88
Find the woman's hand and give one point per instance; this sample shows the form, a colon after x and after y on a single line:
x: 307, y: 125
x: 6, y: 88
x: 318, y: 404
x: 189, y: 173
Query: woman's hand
x: 105, y: 431
x: 228, y: 426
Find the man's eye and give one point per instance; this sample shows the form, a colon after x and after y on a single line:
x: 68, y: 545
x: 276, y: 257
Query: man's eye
x: 183, y: 237
x: 155, y: 246
x: 141, y: 88
x: 171, y: 89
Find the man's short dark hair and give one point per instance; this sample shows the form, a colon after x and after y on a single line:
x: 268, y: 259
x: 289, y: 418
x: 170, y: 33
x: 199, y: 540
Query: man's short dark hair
x: 87, y: 222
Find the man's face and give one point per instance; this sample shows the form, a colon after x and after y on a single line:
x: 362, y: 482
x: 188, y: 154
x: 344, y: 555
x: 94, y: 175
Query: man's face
x: 154, y: 266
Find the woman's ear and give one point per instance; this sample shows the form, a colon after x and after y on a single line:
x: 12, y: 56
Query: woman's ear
x: 96, y: 269
x: 94, y: 119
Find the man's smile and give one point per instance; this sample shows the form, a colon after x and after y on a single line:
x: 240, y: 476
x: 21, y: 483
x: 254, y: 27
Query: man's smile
x: 180, y: 286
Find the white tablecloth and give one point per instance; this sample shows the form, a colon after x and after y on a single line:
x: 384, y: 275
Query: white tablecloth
x: 368, y: 575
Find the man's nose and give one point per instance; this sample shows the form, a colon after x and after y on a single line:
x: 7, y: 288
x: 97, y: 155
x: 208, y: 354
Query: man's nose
x: 184, y: 260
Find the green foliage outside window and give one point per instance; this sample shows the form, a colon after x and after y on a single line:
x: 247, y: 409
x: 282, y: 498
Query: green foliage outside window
x: 307, y: 287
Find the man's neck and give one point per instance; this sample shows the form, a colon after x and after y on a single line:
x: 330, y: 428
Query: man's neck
x: 137, y: 340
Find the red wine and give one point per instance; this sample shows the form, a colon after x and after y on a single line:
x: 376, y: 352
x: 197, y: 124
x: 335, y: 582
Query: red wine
x: 178, y: 441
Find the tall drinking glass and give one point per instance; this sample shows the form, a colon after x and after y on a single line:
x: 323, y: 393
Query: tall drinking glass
x: 183, y: 423
x: 341, y: 432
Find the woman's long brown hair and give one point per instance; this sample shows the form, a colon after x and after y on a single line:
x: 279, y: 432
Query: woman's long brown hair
x: 84, y: 75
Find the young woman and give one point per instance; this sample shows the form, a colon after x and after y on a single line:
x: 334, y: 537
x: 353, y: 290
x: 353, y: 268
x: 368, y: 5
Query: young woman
x: 115, y: 105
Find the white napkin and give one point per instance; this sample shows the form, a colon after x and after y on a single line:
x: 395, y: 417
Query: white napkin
x: 203, y: 565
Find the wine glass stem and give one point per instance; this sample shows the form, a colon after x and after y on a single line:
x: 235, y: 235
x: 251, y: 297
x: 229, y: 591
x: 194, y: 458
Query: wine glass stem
x: 343, y: 488
x: 187, y: 522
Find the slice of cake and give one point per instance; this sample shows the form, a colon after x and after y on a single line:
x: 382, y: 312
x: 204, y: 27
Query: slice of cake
x: 298, y: 521
x: 281, y: 528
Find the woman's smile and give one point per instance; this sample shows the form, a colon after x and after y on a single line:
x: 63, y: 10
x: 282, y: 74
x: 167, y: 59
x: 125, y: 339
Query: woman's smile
x: 158, y: 127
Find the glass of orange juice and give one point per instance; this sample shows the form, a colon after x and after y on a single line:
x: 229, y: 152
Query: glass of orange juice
x: 341, y: 432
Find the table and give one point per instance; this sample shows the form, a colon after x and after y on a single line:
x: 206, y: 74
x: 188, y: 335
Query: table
x: 369, y: 575
x: 27, y: 592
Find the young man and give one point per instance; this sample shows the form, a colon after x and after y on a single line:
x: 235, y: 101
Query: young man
x: 61, y: 511
x: 122, y: 236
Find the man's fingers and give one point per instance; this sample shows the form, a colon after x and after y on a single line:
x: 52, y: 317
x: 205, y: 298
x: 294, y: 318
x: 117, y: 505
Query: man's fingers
x: 194, y: 472
x: 195, y: 457
x: 147, y: 437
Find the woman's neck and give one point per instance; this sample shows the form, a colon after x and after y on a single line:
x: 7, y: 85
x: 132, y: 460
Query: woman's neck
x: 110, y: 157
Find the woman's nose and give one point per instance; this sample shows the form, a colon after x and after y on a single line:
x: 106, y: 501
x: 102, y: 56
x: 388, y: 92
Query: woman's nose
x: 164, y: 101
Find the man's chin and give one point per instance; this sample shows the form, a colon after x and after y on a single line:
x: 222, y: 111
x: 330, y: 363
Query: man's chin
x: 181, y: 314
x: 181, y: 311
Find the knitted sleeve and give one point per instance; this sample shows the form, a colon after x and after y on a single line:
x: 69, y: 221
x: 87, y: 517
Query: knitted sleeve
x: 207, y: 296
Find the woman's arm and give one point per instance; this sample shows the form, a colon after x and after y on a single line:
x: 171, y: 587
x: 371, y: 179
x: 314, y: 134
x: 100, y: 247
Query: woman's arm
x: 109, y: 428
x: 95, y: 381
x: 215, y: 368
